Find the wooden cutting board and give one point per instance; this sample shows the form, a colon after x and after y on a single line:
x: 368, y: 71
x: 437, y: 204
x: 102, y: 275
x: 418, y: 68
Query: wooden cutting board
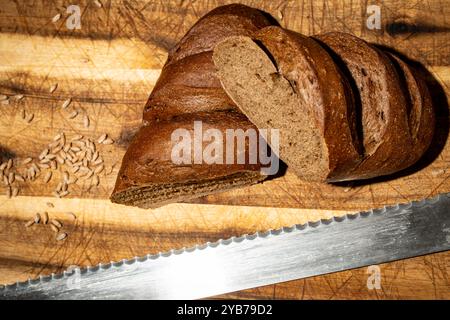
x: 108, y: 68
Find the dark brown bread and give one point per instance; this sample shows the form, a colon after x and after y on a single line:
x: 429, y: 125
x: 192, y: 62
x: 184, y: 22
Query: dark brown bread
x: 149, y: 178
x: 303, y: 91
x: 421, y: 116
x: 188, y: 91
x: 222, y: 22
x: 187, y: 86
x: 304, y: 95
x: 386, y: 137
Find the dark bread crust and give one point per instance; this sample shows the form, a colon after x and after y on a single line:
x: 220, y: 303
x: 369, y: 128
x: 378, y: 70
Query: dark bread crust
x: 386, y: 138
x: 421, y: 115
x: 222, y: 22
x: 328, y: 96
x: 147, y: 163
x: 188, y: 91
x: 187, y: 86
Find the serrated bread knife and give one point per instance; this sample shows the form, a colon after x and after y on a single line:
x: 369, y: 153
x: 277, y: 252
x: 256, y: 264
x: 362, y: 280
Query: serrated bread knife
x: 342, y: 243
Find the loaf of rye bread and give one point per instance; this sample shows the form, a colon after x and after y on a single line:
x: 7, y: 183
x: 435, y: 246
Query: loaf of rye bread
x: 350, y: 111
x: 188, y: 90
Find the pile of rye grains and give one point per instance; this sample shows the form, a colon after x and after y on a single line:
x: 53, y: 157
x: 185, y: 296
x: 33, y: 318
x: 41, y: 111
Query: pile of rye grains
x: 67, y: 160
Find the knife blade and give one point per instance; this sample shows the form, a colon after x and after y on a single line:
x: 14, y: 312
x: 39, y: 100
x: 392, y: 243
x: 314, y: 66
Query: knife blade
x: 347, y: 242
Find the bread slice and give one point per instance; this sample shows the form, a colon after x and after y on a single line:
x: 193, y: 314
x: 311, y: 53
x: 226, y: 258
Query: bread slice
x: 421, y: 116
x: 301, y: 92
x: 385, y: 132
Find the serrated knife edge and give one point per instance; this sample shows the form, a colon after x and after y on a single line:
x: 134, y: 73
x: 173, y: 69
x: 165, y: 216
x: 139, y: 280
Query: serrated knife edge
x: 298, y: 228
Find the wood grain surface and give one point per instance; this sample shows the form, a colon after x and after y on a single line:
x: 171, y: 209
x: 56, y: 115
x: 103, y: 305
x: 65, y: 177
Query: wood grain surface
x: 109, y: 66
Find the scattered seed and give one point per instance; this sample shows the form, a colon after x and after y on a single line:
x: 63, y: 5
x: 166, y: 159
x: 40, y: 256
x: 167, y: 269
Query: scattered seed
x: 75, y: 169
x: 3, y: 97
x: 54, y: 20
x: 98, y: 3
x: 64, y: 187
x: 3, y: 166
x: 86, y: 121
x: 73, y: 114
x: 56, y: 223
x: 5, y: 181
x: 66, y: 103
x: 98, y: 161
x: 8, y: 192
x: 48, y: 176
x: 50, y: 156
x: 77, y: 137
x: 11, y: 177
x: 45, y: 217
x: 18, y: 97
x: 437, y: 172
x: 31, y: 173
x: 63, y: 193
x: 91, y: 145
x: 102, y: 138
x: 85, y: 162
x: 71, y: 215
x: 43, y: 154
x: 15, y: 192
x: 108, y: 141
x: 50, y: 205
x: 99, y: 169
x: 95, y: 181
x: 57, y: 149
x: 57, y: 137
x: 27, y: 160
x: 72, y: 180
x: 75, y: 149
x: 18, y: 177
x: 54, y: 144
x: 67, y: 147
x: 53, y: 88
x: 78, y: 163
x: 59, y: 159
x: 9, y: 164
x: 35, y: 167
x: 54, y: 228
x: 44, y: 165
x: 280, y: 15
x: 81, y: 154
x: 37, y: 218
x: 29, y: 118
x: 61, y: 236
x: 29, y: 223
x: 89, y: 174
x: 63, y: 154
x: 56, y: 194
